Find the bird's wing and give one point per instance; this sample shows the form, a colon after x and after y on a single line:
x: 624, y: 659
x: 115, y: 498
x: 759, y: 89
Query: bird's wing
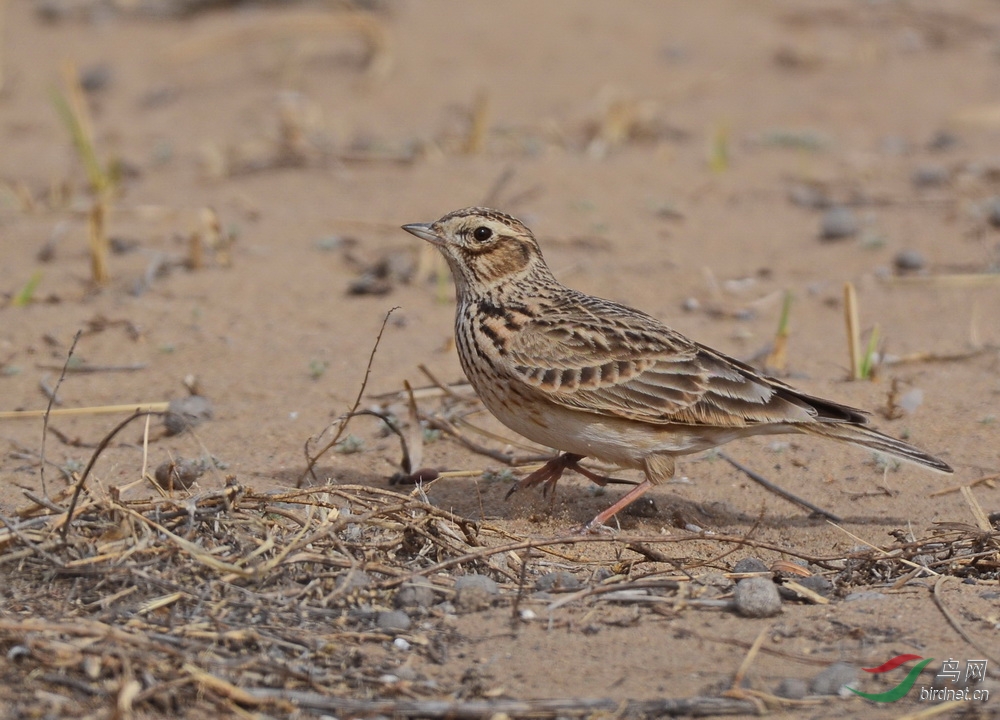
x: 610, y: 360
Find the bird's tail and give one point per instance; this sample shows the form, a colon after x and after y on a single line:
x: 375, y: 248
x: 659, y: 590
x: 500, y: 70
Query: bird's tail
x: 873, y: 439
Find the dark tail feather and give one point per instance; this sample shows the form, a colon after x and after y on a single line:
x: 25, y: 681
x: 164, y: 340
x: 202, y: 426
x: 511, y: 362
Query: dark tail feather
x: 866, y: 437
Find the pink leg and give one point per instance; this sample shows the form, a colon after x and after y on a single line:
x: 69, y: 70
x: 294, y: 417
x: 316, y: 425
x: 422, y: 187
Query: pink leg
x: 627, y: 499
x: 658, y: 469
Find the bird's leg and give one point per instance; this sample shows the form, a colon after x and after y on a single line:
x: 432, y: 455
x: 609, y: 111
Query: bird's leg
x: 550, y: 472
x: 658, y: 468
x: 627, y: 499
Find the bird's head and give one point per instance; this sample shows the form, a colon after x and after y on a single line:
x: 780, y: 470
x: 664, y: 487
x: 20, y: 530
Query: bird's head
x: 485, y: 248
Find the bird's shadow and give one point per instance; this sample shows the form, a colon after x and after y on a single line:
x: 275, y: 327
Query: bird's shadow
x: 577, y: 504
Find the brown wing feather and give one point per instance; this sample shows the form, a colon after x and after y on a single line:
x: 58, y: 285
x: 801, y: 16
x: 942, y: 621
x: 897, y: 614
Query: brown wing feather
x: 601, y: 357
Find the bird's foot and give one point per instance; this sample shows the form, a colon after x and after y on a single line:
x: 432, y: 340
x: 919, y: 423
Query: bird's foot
x: 548, y: 475
x: 594, y: 528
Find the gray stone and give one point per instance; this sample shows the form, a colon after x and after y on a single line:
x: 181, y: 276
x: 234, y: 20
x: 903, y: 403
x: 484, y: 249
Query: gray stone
x: 187, y: 412
x: 414, y: 595
x: 750, y: 565
x: 818, y: 584
x: 392, y: 621
x: 930, y: 176
x: 808, y: 196
x: 474, y: 592
x: 792, y: 688
x: 560, y: 581
x: 757, y: 597
x: 993, y: 211
x: 838, y: 223
x: 178, y: 473
x: 909, y: 261
x: 354, y: 580
x: 833, y: 679
x: 942, y: 140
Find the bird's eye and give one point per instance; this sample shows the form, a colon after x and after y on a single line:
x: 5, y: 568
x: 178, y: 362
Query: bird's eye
x: 482, y: 233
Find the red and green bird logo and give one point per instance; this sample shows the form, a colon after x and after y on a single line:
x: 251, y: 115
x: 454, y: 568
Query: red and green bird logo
x: 904, y: 687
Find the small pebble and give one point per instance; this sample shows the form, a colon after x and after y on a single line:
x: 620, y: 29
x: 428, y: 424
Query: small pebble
x: 601, y: 574
x: 808, y: 196
x: 414, y: 595
x: 560, y: 581
x: 757, y: 597
x: 187, y: 412
x: 750, y: 565
x: 834, y: 679
x: 18, y: 652
x: 365, y: 612
x: 401, y: 644
x: 993, y: 211
x: 405, y: 671
x: 642, y: 508
x: 930, y: 176
x: 838, y: 223
x: 474, y: 592
x: 95, y: 78
x: 716, y: 579
x: 392, y: 621
x: 792, y: 688
x: 51, y: 11
x: 818, y: 584
x: 179, y: 473
x: 911, y: 400
x: 909, y: 261
x: 942, y: 140
x: 691, y: 304
x: 355, y: 579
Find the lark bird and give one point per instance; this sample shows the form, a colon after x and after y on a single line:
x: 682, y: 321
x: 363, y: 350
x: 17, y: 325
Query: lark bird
x: 593, y: 378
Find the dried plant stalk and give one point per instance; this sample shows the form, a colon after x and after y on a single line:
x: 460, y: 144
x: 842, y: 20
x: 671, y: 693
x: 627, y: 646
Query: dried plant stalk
x: 95, y: 410
x: 777, y: 359
x: 853, y: 331
x: 98, y: 241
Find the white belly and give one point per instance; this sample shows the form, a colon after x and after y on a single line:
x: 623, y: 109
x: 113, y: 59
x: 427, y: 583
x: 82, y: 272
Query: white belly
x: 618, y: 441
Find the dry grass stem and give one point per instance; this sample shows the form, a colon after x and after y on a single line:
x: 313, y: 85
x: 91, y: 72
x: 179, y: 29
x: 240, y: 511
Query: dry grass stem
x: 853, y: 329
x: 152, y: 407
x: 982, y: 521
x: 98, y: 243
x: 955, y: 623
x: 194, y: 575
x: 342, y: 423
x: 987, y: 480
x: 479, y: 124
x: 777, y: 359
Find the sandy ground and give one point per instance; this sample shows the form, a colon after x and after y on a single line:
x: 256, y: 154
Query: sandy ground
x: 674, y: 157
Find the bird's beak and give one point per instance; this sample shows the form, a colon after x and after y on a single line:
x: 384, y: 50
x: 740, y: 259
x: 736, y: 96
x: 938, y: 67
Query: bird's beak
x: 423, y: 230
